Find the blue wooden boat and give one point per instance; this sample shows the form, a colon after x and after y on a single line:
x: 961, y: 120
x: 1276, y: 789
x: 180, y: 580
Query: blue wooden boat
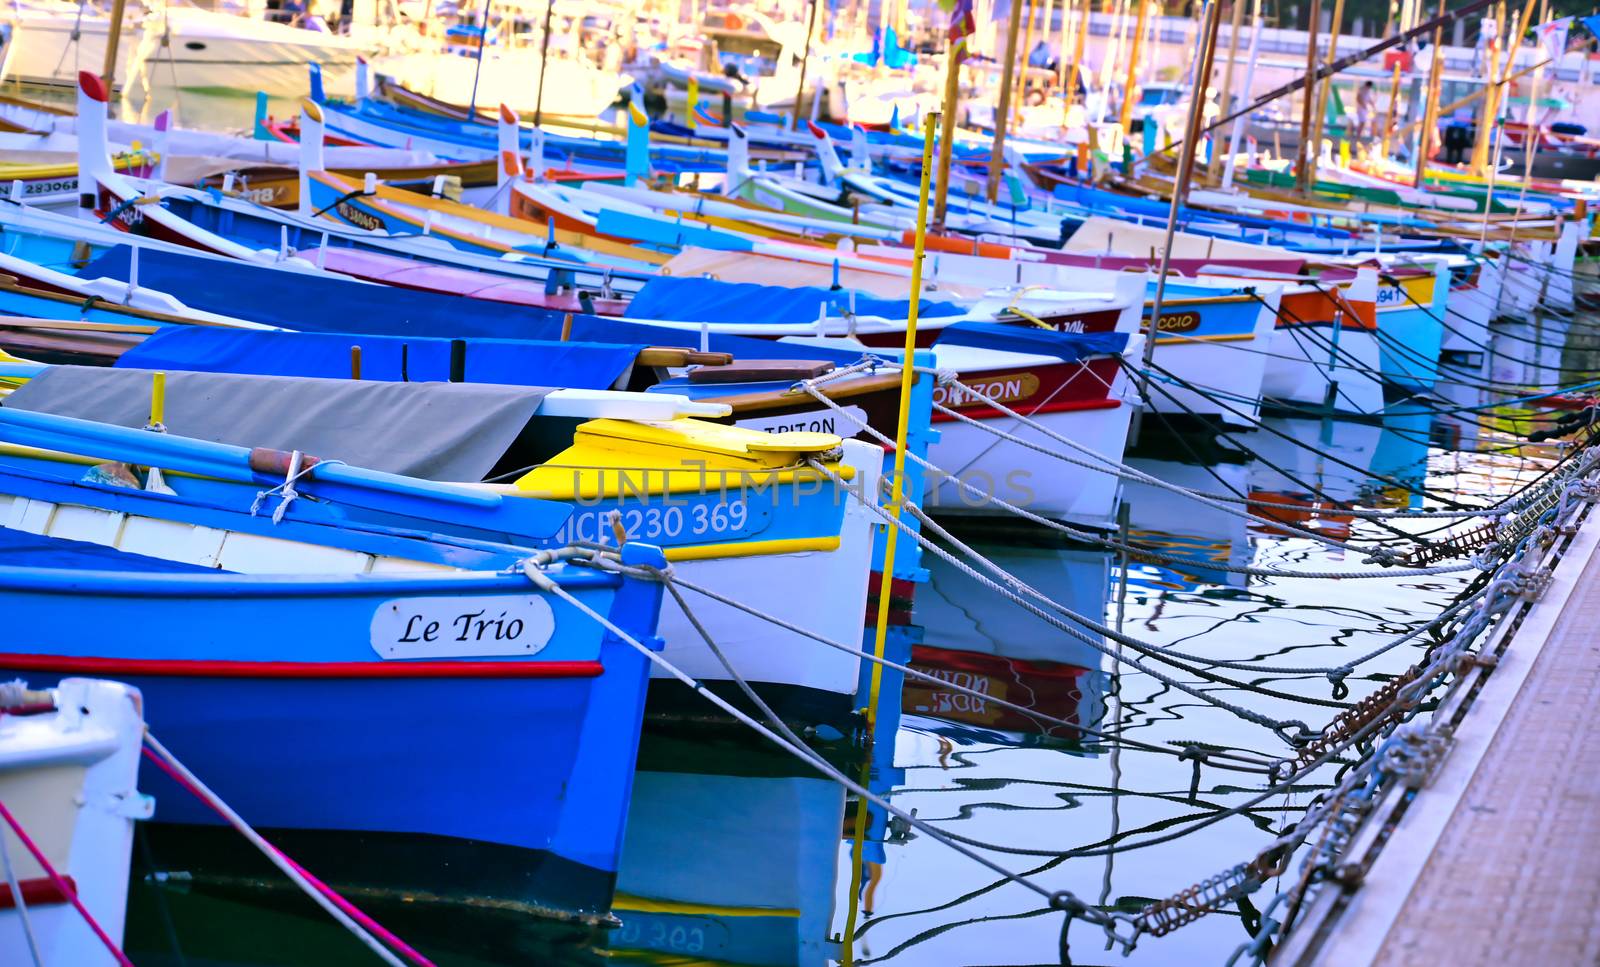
x: 737, y: 510
x: 216, y: 223
x: 402, y: 710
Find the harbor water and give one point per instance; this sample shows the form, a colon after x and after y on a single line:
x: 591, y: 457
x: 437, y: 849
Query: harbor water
x: 736, y: 853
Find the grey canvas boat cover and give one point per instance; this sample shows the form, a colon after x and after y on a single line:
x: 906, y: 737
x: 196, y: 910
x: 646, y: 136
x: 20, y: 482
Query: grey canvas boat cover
x: 437, y: 431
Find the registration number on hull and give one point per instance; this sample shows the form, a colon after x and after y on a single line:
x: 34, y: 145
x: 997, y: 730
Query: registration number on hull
x: 664, y: 522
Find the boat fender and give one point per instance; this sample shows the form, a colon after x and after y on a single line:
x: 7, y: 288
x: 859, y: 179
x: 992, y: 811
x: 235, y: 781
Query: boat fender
x: 276, y: 463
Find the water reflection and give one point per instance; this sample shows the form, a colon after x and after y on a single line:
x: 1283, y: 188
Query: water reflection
x: 737, y: 854
x: 729, y: 858
x: 1007, y: 653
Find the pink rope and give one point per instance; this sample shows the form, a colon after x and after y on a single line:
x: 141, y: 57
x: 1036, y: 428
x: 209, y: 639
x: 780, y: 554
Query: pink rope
x: 350, y: 909
x: 65, y: 888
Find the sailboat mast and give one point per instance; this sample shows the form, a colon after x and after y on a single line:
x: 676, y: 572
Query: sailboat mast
x: 1080, y: 28
x: 1491, y: 96
x: 1126, y: 117
x: 108, y: 72
x: 1180, y: 192
x: 805, y: 57
x: 1003, y: 110
x: 1237, y: 126
x: 544, y: 58
x: 1321, y: 117
x: 961, y: 28
x: 1430, y: 114
x: 1225, y: 94
x: 1302, y: 164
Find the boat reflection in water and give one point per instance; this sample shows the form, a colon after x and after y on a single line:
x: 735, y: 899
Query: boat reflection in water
x: 1002, y: 651
x: 730, y: 856
x: 1206, y: 540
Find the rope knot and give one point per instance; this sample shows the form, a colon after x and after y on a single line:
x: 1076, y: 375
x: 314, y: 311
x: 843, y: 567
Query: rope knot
x: 1064, y: 901
x: 1337, y: 678
x: 1383, y: 557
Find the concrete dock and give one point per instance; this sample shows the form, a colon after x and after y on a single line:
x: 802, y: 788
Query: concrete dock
x: 1497, y: 858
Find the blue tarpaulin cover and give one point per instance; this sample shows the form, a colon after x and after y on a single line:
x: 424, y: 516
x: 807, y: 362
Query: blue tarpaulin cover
x: 1068, y: 346
x: 708, y: 300
x: 515, y: 362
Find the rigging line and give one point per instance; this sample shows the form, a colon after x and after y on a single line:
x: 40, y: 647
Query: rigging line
x: 1364, y: 471
x: 1149, y: 554
x: 804, y: 754
x: 1132, y: 473
x: 1250, y: 452
x: 1017, y: 588
x: 1485, y: 347
x: 1152, y: 650
x: 913, y: 672
x: 1464, y: 377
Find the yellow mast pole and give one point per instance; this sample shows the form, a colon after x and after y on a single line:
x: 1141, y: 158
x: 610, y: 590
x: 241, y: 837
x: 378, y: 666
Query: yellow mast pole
x: 908, y: 378
x: 108, y: 70
x: 1302, y: 165
x: 1002, y: 110
x: 1430, y: 114
x: 1126, y: 116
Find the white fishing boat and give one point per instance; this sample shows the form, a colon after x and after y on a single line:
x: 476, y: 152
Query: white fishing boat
x: 69, y: 765
x: 178, y: 46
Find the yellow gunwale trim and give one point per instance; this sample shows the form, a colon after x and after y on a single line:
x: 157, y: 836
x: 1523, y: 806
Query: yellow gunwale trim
x: 639, y: 904
x: 785, y: 545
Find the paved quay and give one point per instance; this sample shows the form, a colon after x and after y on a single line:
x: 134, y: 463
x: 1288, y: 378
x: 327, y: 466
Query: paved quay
x: 1497, y: 860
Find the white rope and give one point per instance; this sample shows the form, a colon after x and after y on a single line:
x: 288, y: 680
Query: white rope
x: 20, y: 904
x: 271, y: 853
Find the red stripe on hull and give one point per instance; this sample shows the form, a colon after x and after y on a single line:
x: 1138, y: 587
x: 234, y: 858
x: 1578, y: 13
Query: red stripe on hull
x: 37, y: 892
x: 179, y: 668
x: 1050, y: 388
x: 1070, y: 406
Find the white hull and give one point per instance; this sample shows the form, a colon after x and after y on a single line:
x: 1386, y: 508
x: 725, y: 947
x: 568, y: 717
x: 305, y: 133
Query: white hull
x: 1302, y: 367
x: 206, y: 51
x: 509, y: 77
x: 1032, y: 480
x: 824, y: 592
x: 70, y: 779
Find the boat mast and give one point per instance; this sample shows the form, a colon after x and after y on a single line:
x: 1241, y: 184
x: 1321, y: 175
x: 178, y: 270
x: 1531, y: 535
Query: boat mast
x: 1302, y: 165
x: 1125, y: 118
x: 1180, y: 192
x: 958, y: 36
x: 1080, y: 28
x: 1237, y: 126
x: 1491, y: 95
x: 1430, y: 113
x: 1321, y: 116
x: 1027, y: 54
x: 544, y: 57
x: 108, y: 71
x: 805, y: 57
x: 477, y: 69
x: 1225, y: 94
x: 1003, y: 109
